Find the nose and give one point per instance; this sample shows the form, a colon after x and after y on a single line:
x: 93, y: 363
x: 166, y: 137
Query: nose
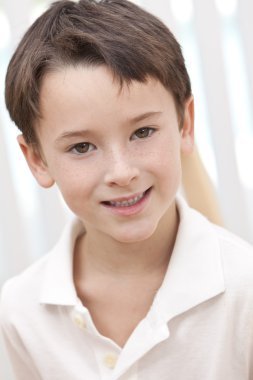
x: 121, y: 169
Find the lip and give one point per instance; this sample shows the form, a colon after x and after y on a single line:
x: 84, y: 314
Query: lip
x: 126, y: 198
x: 126, y: 210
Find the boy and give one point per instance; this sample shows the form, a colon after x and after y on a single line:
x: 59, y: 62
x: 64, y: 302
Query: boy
x: 139, y: 286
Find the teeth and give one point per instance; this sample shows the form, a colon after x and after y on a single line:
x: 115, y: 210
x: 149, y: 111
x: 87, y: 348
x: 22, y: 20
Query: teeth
x: 128, y: 203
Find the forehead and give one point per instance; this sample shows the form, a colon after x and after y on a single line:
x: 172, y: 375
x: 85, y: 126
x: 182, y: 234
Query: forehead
x: 92, y: 94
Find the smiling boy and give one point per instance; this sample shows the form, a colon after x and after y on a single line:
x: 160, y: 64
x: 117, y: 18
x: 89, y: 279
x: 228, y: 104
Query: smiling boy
x: 139, y: 286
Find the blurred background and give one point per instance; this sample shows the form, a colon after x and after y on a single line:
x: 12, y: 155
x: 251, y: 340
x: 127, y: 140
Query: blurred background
x: 216, y: 37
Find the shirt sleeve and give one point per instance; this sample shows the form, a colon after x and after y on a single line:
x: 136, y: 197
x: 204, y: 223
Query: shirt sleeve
x: 21, y: 362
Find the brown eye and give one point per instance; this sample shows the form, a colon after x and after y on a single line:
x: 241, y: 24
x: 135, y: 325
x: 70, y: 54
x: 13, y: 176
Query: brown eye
x: 82, y: 148
x: 143, y: 133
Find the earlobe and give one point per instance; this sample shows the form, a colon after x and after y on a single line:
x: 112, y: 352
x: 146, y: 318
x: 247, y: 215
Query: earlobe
x: 36, y: 163
x: 187, y: 131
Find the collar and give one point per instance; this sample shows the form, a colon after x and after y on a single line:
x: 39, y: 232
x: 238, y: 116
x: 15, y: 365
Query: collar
x: 194, y: 274
x: 57, y: 287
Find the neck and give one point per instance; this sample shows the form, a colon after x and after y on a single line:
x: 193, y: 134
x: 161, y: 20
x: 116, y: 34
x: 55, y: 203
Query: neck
x: 107, y: 256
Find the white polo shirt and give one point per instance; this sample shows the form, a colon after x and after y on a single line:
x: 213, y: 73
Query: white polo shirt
x: 199, y: 327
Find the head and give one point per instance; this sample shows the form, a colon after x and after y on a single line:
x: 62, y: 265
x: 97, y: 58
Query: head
x: 131, y: 42
x: 103, y: 99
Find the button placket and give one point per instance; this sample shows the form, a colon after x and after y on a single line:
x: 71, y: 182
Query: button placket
x: 79, y: 321
x: 110, y: 360
x: 107, y: 355
x: 79, y: 318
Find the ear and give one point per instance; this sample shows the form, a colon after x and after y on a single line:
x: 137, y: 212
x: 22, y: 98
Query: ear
x: 36, y: 163
x: 187, y: 131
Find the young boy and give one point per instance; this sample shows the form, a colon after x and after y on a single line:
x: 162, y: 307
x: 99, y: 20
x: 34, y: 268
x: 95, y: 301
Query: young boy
x: 140, y: 286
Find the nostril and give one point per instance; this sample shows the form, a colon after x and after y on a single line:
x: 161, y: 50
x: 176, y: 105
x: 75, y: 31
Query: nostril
x: 121, y: 175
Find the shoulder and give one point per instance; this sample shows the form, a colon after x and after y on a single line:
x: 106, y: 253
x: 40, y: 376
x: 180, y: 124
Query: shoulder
x: 233, y: 247
x: 235, y: 260
x: 51, y: 276
x: 237, y: 257
x: 19, y: 292
x: 234, y: 254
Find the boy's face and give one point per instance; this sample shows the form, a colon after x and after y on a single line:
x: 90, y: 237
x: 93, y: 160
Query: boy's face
x: 115, y: 155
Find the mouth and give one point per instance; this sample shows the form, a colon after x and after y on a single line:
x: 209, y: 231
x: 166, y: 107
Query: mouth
x: 127, y: 201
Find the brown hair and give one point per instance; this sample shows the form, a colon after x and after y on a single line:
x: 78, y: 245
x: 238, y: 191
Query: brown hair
x: 133, y: 43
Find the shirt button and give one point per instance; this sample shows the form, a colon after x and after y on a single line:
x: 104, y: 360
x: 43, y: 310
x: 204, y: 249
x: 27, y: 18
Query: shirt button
x: 110, y: 360
x: 79, y: 321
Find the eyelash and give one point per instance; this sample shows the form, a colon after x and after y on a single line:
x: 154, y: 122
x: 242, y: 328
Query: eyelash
x: 73, y: 149
x: 150, y: 131
x: 91, y: 147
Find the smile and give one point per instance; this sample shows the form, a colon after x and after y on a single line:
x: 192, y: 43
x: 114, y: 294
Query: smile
x: 127, y: 202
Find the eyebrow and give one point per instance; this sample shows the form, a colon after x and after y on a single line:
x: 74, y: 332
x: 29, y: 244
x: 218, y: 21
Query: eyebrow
x: 68, y: 135
x: 145, y: 116
x: 85, y: 132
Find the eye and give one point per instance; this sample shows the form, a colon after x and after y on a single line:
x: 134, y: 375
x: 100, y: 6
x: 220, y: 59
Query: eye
x: 82, y: 148
x: 143, y: 133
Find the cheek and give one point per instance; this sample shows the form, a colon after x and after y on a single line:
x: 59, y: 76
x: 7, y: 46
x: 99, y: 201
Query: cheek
x: 74, y: 183
x: 166, y: 156
x: 167, y: 163
x: 76, y: 178
x: 76, y: 193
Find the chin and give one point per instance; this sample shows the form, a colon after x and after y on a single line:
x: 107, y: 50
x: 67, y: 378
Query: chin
x: 135, y: 234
